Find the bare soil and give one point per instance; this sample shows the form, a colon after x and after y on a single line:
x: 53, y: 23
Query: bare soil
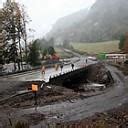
x: 115, y: 118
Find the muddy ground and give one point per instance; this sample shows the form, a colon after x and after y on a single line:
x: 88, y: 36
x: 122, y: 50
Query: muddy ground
x: 123, y: 68
x: 46, y: 96
x: 116, y: 118
x: 10, y: 90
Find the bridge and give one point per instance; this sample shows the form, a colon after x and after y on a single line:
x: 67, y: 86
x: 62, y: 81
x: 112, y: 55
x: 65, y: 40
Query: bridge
x: 76, y: 77
x: 70, y: 78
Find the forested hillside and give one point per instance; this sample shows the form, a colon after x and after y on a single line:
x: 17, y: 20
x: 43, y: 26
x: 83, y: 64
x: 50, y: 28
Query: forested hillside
x: 106, y: 20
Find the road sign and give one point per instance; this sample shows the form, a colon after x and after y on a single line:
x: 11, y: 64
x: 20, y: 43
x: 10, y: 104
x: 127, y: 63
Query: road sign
x: 34, y: 88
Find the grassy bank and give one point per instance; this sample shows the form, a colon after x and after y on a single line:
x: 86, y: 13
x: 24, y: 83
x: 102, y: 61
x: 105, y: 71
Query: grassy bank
x: 62, y: 53
x: 98, y: 47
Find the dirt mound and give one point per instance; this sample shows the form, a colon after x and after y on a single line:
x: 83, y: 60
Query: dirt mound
x: 98, y: 73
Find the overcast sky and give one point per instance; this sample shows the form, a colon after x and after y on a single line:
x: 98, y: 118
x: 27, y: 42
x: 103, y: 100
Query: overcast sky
x: 44, y: 13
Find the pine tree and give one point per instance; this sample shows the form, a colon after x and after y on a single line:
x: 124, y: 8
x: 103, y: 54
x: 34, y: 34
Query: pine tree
x: 121, y: 43
x: 33, y: 57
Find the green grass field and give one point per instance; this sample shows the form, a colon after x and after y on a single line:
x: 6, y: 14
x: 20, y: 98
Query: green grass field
x: 98, y: 47
x: 62, y: 53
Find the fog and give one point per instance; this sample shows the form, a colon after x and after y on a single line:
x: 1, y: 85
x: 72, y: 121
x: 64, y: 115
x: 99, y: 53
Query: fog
x: 44, y: 13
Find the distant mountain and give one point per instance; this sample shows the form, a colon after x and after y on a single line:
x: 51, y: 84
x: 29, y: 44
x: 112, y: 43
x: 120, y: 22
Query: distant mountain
x: 64, y: 23
x: 106, y: 20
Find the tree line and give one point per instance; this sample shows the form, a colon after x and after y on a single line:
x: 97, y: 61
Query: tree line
x: 14, y: 47
x: 40, y: 49
x: 13, y: 40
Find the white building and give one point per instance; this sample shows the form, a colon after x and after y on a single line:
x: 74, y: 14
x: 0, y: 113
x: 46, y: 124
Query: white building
x: 117, y: 58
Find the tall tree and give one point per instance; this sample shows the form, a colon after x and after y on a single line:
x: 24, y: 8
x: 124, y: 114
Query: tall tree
x: 33, y: 56
x: 122, y: 40
x: 123, y: 44
x: 14, y: 25
x: 24, y: 32
x: 51, y: 50
x: 1, y: 49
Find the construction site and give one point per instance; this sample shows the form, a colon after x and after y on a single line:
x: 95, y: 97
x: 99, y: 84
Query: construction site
x: 84, y: 97
x: 65, y: 73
